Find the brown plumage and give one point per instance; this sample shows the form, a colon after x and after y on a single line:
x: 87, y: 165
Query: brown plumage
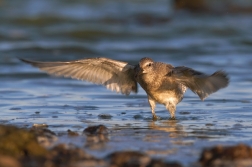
x: 162, y: 82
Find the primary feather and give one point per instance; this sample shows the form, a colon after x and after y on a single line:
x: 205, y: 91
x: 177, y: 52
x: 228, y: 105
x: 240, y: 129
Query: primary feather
x: 115, y: 75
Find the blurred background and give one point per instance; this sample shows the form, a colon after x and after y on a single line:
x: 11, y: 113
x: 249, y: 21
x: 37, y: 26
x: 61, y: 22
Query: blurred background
x: 126, y: 30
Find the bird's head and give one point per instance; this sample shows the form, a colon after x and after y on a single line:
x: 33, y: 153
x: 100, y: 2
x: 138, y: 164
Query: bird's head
x: 145, y: 65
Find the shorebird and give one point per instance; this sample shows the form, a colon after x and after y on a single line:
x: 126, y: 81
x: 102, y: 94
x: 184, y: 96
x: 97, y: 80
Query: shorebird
x: 163, y: 83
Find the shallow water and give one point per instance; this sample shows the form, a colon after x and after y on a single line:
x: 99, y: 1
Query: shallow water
x: 75, y: 30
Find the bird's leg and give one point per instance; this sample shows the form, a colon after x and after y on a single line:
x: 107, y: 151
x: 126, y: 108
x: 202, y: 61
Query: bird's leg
x: 152, y: 106
x: 172, y: 109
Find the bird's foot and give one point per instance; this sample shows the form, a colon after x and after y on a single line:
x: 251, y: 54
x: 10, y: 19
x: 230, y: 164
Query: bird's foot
x: 154, y: 117
x: 172, y: 118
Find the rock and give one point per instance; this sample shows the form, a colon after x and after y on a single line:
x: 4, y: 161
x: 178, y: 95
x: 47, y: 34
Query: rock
x: 45, y: 137
x: 191, y: 5
x: 232, y: 156
x: 65, y: 154
x: 18, y: 143
x: 159, y: 163
x: 100, y: 129
x: 105, y: 116
x: 138, y: 116
x: 71, y: 133
x: 128, y: 159
x: 19, y: 148
x: 214, y: 6
x: 137, y: 159
x: 97, y: 136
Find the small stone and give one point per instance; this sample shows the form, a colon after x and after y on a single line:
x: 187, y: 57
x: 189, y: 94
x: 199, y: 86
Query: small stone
x: 105, y: 116
x: 129, y: 158
x: 100, y: 129
x: 137, y: 159
x: 184, y: 112
x: 71, y: 133
x: 45, y: 137
x: 222, y: 155
x: 160, y: 163
x: 138, y: 116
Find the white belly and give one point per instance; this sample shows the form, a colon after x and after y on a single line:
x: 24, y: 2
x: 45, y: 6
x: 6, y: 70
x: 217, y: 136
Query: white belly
x: 166, y: 97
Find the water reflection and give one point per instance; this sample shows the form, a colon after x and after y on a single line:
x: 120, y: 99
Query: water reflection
x: 175, y: 129
x: 96, y: 137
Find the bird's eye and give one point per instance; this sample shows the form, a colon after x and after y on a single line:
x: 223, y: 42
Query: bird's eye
x: 149, y: 64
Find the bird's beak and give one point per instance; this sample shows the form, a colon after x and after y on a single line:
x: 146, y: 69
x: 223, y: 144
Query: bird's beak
x: 138, y: 71
x: 142, y: 71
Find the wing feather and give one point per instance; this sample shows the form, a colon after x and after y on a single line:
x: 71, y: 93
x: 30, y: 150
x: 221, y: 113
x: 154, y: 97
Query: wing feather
x: 115, y: 75
x: 200, y: 83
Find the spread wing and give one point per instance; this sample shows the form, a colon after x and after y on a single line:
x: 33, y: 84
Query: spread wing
x: 200, y: 83
x: 115, y: 75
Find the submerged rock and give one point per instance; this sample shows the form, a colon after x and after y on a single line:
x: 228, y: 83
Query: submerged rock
x: 192, y: 5
x: 45, y: 137
x: 64, y: 155
x: 214, y: 6
x: 159, y: 163
x: 232, y: 156
x: 129, y: 158
x: 105, y: 116
x: 97, y: 136
x: 99, y: 129
x: 72, y: 133
x: 138, y: 116
x: 137, y: 159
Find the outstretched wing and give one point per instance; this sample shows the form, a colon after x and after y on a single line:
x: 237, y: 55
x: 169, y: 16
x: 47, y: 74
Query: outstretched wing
x: 200, y: 83
x: 115, y: 75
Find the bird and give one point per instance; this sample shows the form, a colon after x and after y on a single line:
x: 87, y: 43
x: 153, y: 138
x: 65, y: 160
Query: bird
x: 162, y: 82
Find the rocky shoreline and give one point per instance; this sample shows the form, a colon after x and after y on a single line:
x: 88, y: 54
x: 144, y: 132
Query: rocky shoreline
x: 37, y: 147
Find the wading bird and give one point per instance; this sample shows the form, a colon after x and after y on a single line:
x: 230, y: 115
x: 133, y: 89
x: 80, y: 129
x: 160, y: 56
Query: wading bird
x: 162, y: 82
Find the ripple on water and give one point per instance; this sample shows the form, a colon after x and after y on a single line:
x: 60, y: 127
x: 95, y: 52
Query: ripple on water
x: 105, y: 116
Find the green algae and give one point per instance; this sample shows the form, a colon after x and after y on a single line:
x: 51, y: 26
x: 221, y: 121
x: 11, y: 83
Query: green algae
x: 17, y: 143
